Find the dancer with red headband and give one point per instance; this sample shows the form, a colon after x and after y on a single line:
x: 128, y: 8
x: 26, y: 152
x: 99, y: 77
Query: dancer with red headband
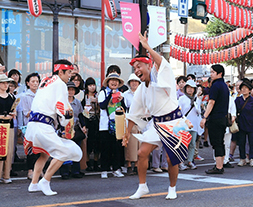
x: 157, y: 96
x: 50, y: 105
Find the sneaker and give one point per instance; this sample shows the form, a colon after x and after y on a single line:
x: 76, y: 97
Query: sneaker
x: 206, y: 144
x: 104, y: 175
x: 199, y: 158
x: 215, y: 170
x: 231, y: 158
x: 135, y: 171
x: 228, y: 165
x: 117, y: 174
x: 200, y: 144
x: 157, y: 170
x: 7, y: 181
x: 251, y: 162
x: 192, y: 165
x: 241, y: 163
x: 130, y: 171
x: 247, y: 160
x: 164, y: 169
x: 13, y: 173
x: 182, y: 167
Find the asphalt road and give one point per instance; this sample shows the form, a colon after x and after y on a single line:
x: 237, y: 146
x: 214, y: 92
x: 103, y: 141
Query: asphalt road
x: 194, y: 188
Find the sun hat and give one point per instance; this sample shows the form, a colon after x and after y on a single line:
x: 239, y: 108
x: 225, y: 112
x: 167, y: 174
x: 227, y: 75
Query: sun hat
x: 133, y: 77
x: 4, y: 78
x: 113, y: 76
x: 70, y: 84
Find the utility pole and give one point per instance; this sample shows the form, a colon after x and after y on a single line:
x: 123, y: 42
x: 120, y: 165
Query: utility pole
x: 166, y: 46
x: 56, y: 8
x: 143, y: 12
x: 185, y: 33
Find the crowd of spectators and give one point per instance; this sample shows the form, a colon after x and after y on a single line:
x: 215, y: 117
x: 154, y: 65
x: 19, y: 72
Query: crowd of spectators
x: 94, y: 109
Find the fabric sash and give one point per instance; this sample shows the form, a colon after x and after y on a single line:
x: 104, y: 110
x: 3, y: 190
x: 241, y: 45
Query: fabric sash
x: 38, y: 117
x: 176, y: 149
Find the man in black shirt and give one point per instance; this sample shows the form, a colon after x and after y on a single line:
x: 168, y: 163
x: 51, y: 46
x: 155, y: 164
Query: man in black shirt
x: 216, y: 112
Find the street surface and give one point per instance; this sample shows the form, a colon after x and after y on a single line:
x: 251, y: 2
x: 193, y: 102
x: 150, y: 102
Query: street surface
x: 194, y: 188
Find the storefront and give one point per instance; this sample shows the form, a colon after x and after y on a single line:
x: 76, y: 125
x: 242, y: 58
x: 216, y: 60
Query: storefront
x: 26, y: 41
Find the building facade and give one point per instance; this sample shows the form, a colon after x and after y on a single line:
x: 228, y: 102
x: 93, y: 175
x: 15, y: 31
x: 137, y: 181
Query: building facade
x: 26, y: 41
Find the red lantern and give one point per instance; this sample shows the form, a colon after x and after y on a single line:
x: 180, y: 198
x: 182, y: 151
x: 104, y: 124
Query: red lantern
x: 35, y: 7
x: 250, y: 44
x: 110, y: 9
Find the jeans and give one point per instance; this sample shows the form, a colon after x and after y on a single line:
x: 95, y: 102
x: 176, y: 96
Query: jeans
x: 191, y: 147
x: 156, y: 158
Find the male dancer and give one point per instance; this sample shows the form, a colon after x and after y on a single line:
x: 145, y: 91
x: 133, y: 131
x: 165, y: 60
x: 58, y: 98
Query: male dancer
x: 157, y: 95
x: 50, y: 105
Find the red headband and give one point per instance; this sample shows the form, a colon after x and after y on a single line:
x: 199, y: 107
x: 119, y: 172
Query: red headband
x: 141, y: 59
x: 62, y: 67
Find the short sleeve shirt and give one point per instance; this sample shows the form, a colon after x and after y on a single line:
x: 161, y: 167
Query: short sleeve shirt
x: 220, y: 94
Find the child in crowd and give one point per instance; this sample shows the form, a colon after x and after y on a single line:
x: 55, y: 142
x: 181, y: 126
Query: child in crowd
x: 91, y: 113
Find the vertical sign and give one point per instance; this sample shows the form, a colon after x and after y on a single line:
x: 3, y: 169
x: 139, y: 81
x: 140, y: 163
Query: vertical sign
x: 131, y: 22
x: 183, y: 8
x: 157, y: 26
x: 4, y: 139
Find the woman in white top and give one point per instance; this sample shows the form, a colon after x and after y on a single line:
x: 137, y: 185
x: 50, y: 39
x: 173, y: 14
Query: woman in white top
x: 133, y: 144
x: 190, y: 107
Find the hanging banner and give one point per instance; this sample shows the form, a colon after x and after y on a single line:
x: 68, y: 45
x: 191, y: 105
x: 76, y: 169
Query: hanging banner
x: 157, y: 26
x: 110, y: 9
x: 35, y: 7
x: 131, y: 22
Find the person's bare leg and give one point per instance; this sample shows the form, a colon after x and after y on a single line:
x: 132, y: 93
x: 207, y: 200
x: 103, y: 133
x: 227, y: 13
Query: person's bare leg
x: 232, y: 147
x: 44, y: 183
x: 38, y: 167
x: 173, y: 174
x: 143, y: 154
x: 219, y: 162
x: 52, y: 168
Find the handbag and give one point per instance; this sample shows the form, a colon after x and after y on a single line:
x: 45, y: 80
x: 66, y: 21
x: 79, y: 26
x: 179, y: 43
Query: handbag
x: 234, y: 128
x: 229, y: 120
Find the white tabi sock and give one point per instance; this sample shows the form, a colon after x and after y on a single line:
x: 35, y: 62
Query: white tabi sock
x: 142, y: 190
x: 171, y: 193
x: 33, y: 188
x: 44, y: 185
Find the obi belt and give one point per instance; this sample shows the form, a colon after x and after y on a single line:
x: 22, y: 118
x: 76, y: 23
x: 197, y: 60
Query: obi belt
x: 175, y: 144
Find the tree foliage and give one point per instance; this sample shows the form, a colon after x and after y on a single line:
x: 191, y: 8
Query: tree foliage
x: 216, y: 27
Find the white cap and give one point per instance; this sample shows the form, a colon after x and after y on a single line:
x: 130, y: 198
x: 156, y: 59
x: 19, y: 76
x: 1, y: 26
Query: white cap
x: 191, y: 83
x: 133, y: 77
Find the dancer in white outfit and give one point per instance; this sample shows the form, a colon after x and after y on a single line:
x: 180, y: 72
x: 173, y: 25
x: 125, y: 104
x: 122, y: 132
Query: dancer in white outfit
x: 50, y: 105
x: 157, y: 95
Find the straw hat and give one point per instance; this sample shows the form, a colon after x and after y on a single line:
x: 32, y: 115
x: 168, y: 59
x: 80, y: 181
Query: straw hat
x: 113, y: 76
x: 133, y: 77
x: 70, y: 84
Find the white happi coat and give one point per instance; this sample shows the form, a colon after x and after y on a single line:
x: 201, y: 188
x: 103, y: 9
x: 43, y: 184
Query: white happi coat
x: 51, y: 100
x: 159, y: 98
